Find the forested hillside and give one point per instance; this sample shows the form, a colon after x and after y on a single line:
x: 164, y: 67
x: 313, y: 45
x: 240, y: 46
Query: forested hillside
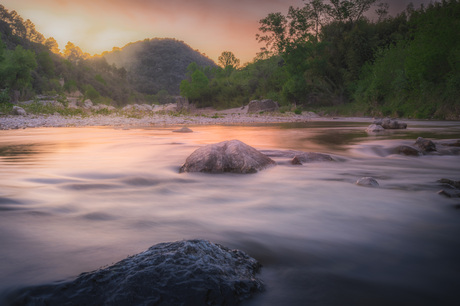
x: 328, y: 55
x: 155, y: 65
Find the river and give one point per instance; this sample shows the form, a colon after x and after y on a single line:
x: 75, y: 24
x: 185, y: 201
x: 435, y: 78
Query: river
x: 76, y: 199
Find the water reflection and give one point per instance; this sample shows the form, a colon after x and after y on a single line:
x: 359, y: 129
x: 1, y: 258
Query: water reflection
x: 89, y: 197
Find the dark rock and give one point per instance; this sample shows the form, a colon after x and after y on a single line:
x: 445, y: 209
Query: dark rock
x: 407, y: 150
x: 367, y: 182
x: 374, y: 128
x: 305, y: 156
x: 425, y: 145
x: 183, y: 130
x: 450, y: 193
x: 195, y: 272
x: 452, y: 143
x: 310, y: 157
x: 227, y: 156
x: 266, y: 105
x: 455, y: 184
x: 390, y: 124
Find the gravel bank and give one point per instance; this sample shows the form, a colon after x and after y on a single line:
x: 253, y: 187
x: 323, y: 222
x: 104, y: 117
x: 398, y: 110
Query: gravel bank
x: 33, y: 121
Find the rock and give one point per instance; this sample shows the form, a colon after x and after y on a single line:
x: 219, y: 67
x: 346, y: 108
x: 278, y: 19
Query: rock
x: 87, y: 104
x: 266, y: 105
x: 227, y: 156
x: 390, y: 124
x: 183, y: 130
x: 111, y: 108
x: 452, y: 143
x: 425, y: 145
x: 450, y: 193
x: 192, y: 272
x: 455, y: 184
x: 374, y: 128
x: 19, y: 111
x: 407, y: 150
x: 367, y: 182
x: 310, y: 157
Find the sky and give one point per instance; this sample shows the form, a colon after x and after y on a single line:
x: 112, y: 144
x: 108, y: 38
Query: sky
x: 210, y: 26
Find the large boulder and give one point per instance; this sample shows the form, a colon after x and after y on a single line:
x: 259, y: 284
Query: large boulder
x: 227, y: 156
x: 19, y: 111
x: 267, y: 105
x: 192, y: 272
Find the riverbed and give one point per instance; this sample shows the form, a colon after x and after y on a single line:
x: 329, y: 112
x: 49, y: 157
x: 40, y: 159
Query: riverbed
x: 75, y: 199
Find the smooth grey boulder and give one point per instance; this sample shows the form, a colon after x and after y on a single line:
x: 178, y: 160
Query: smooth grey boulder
x: 227, y: 156
x: 425, y: 145
x: 266, y: 105
x: 374, y: 128
x: 367, y: 182
x: 19, y: 111
x: 183, y: 130
x: 390, y: 124
x: 407, y: 150
x: 192, y: 272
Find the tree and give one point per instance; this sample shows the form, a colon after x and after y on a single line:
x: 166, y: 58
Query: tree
x: 52, y: 45
x: 72, y: 52
x: 348, y: 10
x: 228, y: 59
x: 17, y: 67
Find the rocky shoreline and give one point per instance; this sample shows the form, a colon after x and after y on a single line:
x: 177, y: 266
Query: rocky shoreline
x: 9, y: 122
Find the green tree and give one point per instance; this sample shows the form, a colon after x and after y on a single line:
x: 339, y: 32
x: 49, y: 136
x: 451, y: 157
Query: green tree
x: 228, y: 59
x: 16, y: 72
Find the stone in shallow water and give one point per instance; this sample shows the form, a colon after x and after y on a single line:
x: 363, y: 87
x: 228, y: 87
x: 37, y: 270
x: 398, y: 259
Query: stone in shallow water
x: 192, y: 272
x: 183, y: 130
x: 374, y: 128
x: 227, y: 156
x: 425, y: 145
x: 367, y: 182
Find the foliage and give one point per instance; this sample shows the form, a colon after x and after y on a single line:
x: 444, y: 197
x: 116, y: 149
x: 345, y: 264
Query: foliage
x: 228, y: 59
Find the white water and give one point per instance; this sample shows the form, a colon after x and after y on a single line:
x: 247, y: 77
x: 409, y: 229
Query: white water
x: 75, y: 199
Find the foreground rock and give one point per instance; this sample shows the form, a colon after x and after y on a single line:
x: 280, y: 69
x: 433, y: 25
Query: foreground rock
x: 367, y: 182
x: 227, y: 156
x: 195, y: 272
x: 256, y: 106
x: 407, y: 150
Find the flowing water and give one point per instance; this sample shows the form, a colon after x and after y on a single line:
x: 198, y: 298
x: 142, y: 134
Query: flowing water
x: 75, y: 199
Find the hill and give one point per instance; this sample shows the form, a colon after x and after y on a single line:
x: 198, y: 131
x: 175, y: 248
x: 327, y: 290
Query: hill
x: 156, y: 64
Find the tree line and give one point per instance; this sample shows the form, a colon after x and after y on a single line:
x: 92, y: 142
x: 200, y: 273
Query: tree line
x: 328, y: 54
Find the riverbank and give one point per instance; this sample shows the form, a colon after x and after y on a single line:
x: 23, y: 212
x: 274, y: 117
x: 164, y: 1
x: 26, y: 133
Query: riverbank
x: 132, y: 119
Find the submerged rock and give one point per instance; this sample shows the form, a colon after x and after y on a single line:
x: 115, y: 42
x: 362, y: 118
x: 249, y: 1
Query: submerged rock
x: 425, y: 145
x: 227, y: 156
x: 452, y: 143
x: 193, y: 272
x: 310, y: 157
x: 183, y: 130
x: 19, y: 111
x: 266, y: 105
x: 367, y: 182
x: 455, y: 184
x: 299, y: 157
x: 407, y: 150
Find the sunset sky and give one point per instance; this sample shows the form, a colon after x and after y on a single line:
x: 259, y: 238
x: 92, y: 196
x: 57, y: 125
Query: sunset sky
x: 211, y: 26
